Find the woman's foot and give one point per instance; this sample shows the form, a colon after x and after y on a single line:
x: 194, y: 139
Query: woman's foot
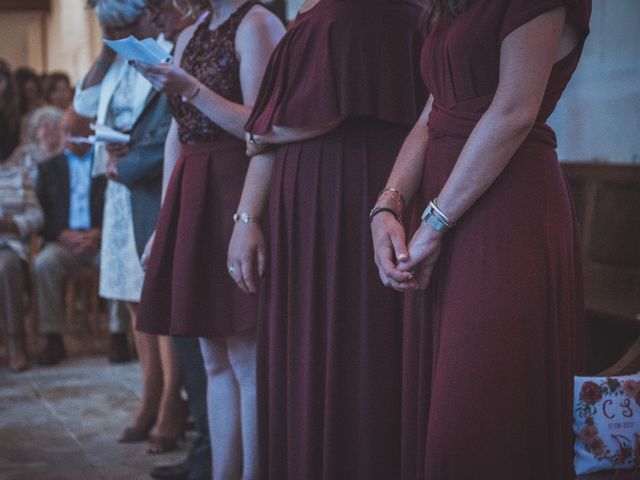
x: 18, y: 361
x: 159, y: 444
x: 139, y: 431
x: 169, y: 428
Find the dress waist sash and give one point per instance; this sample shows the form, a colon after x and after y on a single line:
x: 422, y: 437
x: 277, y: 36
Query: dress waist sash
x: 221, y: 144
x: 460, y: 120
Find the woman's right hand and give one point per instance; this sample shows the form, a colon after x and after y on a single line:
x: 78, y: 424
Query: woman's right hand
x: 253, y: 147
x: 144, y: 260
x: 247, y: 255
x: 390, y: 248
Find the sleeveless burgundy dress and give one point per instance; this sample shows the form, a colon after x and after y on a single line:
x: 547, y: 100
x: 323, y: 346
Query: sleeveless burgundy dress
x: 187, y: 290
x: 491, y: 349
x: 329, y: 333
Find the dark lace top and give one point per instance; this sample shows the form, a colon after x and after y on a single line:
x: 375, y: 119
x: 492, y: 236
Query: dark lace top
x: 210, y: 56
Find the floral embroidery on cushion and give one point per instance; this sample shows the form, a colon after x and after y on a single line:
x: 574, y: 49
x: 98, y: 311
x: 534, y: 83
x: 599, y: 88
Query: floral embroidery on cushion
x: 607, y: 423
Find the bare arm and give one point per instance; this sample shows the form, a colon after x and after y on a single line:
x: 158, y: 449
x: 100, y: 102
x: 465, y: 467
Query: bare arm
x: 257, y: 36
x: 280, y: 135
x: 99, y: 69
x: 406, y: 175
x: 525, y: 66
x: 247, y: 255
x: 105, y: 58
x: 389, y: 240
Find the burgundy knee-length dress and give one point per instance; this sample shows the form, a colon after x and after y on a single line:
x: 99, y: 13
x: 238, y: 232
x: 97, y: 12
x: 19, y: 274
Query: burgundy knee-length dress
x: 491, y: 349
x: 329, y: 333
x: 187, y: 290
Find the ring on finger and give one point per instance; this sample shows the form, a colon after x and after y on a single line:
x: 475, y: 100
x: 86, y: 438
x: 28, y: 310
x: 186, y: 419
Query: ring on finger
x: 231, y: 270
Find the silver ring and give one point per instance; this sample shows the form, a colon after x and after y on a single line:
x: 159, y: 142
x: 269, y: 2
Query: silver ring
x: 231, y: 270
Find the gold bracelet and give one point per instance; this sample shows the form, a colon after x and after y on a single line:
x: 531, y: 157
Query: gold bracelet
x: 395, y: 194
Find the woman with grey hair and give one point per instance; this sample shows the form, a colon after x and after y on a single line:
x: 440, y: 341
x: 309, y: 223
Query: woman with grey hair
x: 116, y: 95
x: 44, y: 141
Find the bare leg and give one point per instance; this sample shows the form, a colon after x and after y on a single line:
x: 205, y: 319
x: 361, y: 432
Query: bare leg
x: 152, y: 382
x: 172, y: 412
x: 242, y: 354
x: 223, y: 408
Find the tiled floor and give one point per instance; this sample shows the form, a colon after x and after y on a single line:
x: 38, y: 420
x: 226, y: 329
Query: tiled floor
x: 60, y: 423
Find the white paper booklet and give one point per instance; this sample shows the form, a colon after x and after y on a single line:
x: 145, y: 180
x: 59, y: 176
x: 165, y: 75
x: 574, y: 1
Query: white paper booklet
x: 147, y: 50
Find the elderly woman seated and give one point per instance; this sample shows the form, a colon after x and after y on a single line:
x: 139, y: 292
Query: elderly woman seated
x: 44, y: 141
x: 20, y: 216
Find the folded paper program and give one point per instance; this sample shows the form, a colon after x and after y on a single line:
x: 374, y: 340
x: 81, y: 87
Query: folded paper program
x: 103, y: 134
x: 147, y: 50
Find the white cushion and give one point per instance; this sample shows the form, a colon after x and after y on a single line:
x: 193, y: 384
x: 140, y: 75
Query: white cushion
x: 606, y: 423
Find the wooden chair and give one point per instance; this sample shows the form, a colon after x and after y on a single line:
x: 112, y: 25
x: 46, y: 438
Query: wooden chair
x: 607, y: 199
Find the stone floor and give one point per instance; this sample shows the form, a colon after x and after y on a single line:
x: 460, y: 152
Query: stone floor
x: 60, y: 423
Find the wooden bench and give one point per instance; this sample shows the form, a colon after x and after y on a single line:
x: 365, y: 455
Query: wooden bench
x: 607, y: 200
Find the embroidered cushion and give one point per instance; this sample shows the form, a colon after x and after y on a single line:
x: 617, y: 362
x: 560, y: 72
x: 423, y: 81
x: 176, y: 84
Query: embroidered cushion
x: 606, y: 423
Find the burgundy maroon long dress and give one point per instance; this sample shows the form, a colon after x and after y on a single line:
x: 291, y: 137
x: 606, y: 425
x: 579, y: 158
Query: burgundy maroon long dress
x: 187, y: 290
x: 329, y: 333
x: 503, y: 314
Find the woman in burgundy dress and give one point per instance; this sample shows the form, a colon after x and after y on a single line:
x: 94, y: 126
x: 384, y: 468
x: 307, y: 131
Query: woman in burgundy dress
x: 338, y: 97
x: 187, y: 290
x: 491, y: 347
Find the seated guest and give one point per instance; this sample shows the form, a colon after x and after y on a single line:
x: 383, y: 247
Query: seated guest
x: 44, y: 141
x: 20, y: 216
x: 9, y: 111
x: 72, y: 202
x: 57, y: 90
x: 30, y: 95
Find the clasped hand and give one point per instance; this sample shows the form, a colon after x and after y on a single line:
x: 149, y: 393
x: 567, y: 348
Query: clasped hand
x: 81, y: 242
x: 401, y: 267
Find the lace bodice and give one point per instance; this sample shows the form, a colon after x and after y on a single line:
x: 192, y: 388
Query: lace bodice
x: 211, y: 57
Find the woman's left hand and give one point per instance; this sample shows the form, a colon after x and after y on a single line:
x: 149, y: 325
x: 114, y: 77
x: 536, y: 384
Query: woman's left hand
x: 424, y: 251
x: 168, y: 78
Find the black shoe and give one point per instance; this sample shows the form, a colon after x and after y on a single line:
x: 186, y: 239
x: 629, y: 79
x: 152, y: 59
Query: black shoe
x: 53, y: 352
x: 119, y: 351
x: 179, y: 471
